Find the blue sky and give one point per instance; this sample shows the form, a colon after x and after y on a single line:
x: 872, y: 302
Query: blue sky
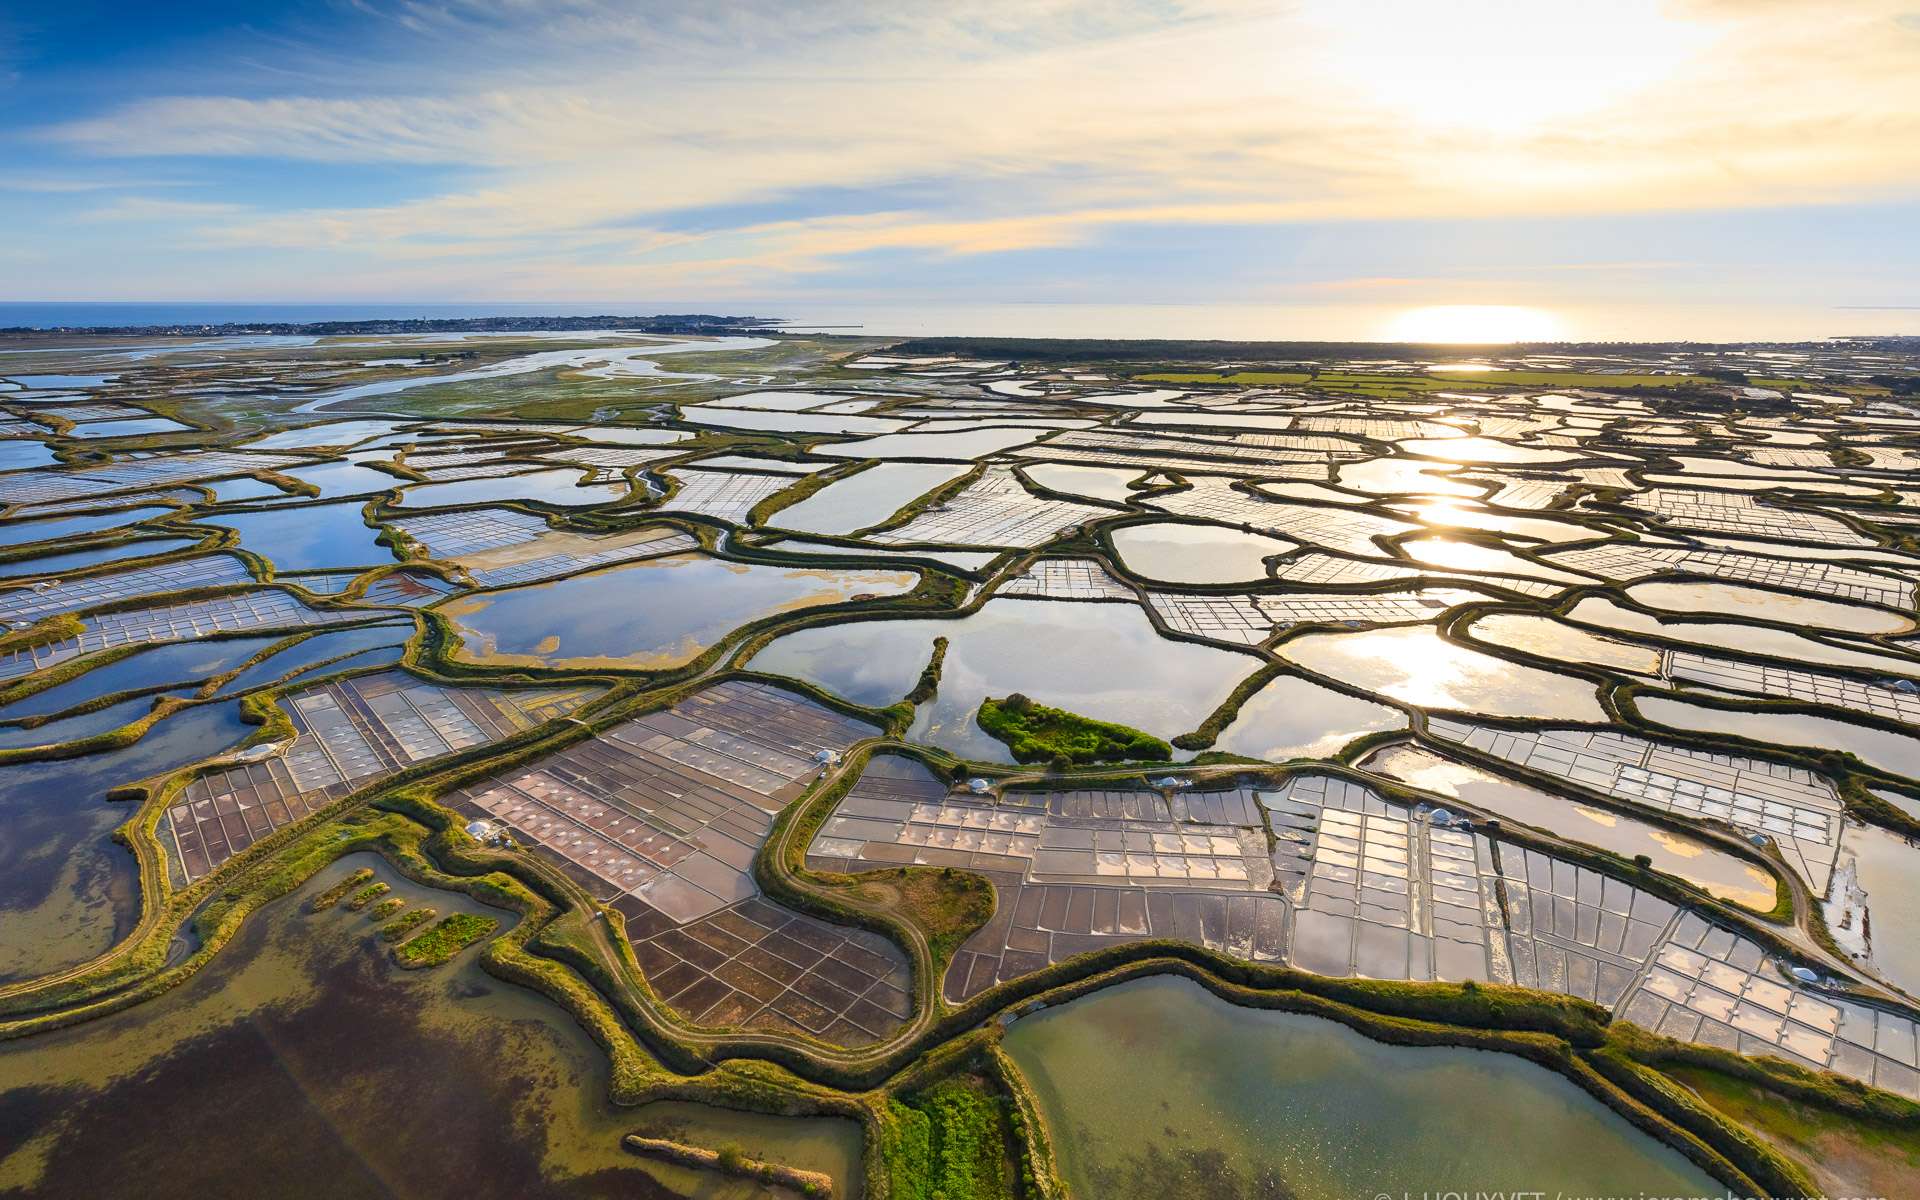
x: 1720, y: 157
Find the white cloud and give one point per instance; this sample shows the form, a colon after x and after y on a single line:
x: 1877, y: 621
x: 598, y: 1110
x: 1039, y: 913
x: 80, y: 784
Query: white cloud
x: 587, y: 122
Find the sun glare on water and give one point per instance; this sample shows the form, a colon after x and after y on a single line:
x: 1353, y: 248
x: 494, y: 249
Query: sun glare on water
x: 1474, y: 324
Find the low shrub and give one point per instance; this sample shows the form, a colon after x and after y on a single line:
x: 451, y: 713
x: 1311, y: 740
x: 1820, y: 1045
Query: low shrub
x: 448, y: 937
x: 338, y: 892
x: 367, y: 895
x: 1037, y: 733
x: 405, y: 923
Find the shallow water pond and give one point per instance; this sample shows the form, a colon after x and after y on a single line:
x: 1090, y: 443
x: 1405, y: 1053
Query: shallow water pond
x: 319, y: 648
x: 36, y: 382
x: 1898, y: 753
x: 1157, y: 398
x: 1760, y: 485
x: 131, y: 427
x: 1678, y: 855
x: 867, y: 498
x: 1214, y: 420
x: 963, y: 446
x: 183, y: 662
x: 67, y: 890
x: 1889, y: 872
x: 308, y: 537
x: 1296, y: 490
x: 659, y: 613
x: 329, y: 433
x: 965, y: 560
x: 779, y: 401
x: 1753, y: 639
x: 1482, y: 450
x: 344, y: 479
x: 627, y: 435
x: 789, y: 422
x: 1462, y: 514
x: 19, y: 533
x: 560, y: 487
x: 1818, y: 553
x: 1175, y: 552
x: 1738, y: 600
x: 322, y: 583
x: 54, y: 564
x: 1098, y: 660
x: 824, y: 1144
x: 72, y: 729
x: 1454, y: 555
x: 21, y: 456
x: 244, y: 487
x: 1293, y: 717
x: 292, y: 1065
x: 1397, y: 476
x: 1097, y: 483
x: 1413, y: 663
x: 1553, y: 639
x: 1157, y: 1089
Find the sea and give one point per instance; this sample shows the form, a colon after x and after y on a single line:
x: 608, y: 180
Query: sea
x: 1016, y: 318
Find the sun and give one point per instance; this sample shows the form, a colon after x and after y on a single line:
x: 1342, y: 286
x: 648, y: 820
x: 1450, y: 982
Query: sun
x: 1500, y: 67
x: 1475, y: 324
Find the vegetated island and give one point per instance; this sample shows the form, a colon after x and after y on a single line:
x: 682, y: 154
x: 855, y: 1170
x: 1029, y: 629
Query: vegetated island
x: 446, y: 938
x: 1037, y: 733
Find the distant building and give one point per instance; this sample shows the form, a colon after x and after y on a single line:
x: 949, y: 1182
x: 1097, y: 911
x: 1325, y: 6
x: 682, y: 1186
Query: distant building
x: 487, y: 833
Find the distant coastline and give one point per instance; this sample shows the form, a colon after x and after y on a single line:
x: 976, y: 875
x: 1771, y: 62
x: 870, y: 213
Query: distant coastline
x: 675, y: 323
x: 1028, y: 331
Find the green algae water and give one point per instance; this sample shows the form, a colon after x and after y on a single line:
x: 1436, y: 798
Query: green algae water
x: 302, y: 1063
x: 1157, y: 1088
x: 68, y: 891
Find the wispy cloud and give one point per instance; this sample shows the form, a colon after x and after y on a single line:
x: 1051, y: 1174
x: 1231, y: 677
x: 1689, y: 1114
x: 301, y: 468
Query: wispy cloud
x: 70, y: 183
x: 151, y: 209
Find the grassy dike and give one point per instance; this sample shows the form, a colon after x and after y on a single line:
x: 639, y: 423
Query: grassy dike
x: 1496, y: 1018
x: 946, y: 1071
x: 45, y: 632
x: 1494, y: 1012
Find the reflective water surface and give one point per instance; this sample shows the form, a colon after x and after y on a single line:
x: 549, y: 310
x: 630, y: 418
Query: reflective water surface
x: 1157, y: 1089
x: 312, y: 537
x: 54, y: 564
x: 1552, y: 639
x: 653, y: 614
x: 1898, y: 753
x: 1293, y: 717
x: 1175, y: 552
x: 1737, y: 600
x: 1096, y: 659
x: 1415, y: 664
x: 67, y: 890
x: 864, y: 499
